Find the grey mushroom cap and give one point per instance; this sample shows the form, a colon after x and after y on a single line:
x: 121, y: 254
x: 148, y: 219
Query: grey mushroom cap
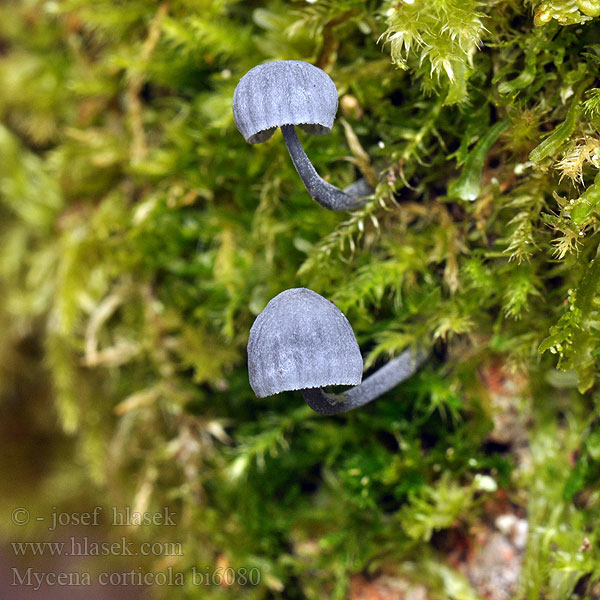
x: 284, y: 92
x: 301, y: 340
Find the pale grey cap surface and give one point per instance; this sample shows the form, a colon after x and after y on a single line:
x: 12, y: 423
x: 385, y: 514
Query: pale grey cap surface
x: 284, y: 92
x: 301, y: 340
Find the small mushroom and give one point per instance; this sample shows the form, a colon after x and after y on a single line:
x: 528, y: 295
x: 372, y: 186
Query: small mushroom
x: 301, y: 341
x: 284, y: 94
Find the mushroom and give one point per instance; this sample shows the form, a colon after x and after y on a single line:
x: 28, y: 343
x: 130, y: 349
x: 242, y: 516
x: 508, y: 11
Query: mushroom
x: 301, y: 341
x: 284, y: 94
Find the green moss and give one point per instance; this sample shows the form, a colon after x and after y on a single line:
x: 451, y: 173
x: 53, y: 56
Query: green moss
x: 140, y: 237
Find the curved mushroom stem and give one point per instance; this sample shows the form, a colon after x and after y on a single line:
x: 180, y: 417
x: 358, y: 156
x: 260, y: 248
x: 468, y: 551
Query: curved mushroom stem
x: 389, y: 376
x: 324, y: 193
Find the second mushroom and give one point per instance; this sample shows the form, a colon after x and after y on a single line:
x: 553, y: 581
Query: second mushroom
x: 301, y: 341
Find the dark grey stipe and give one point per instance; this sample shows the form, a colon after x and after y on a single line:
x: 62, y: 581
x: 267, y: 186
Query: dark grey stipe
x: 324, y: 193
x: 383, y: 380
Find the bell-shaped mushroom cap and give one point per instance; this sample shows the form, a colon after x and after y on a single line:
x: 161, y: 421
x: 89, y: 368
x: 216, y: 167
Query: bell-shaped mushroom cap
x: 284, y: 92
x: 299, y: 341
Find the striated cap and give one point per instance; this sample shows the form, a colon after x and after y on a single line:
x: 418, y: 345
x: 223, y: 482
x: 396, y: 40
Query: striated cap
x: 284, y: 92
x: 301, y: 340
